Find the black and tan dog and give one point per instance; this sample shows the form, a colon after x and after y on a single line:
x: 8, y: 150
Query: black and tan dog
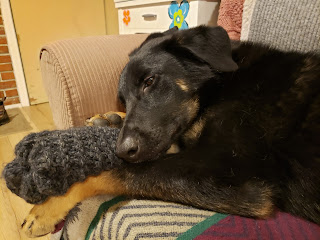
x: 233, y: 128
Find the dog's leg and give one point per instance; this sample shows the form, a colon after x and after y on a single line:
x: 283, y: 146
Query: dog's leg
x: 43, y: 217
x: 253, y: 199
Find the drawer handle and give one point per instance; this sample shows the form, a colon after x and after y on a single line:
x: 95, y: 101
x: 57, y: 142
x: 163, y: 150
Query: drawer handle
x: 149, y: 16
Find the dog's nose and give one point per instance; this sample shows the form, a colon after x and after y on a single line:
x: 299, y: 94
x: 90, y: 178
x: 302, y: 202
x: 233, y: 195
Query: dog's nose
x: 128, y: 149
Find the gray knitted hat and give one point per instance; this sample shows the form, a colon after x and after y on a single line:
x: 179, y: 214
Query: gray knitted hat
x: 48, y: 163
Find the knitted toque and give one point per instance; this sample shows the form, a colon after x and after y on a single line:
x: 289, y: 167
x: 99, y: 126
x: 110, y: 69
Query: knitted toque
x: 49, y: 162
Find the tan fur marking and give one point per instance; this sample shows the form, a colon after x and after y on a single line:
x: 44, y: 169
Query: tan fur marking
x: 182, y: 85
x: 43, y: 217
x: 266, y: 210
x: 105, y: 183
x: 174, y: 148
x: 267, y: 207
x: 192, y: 107
x: 195, y: 131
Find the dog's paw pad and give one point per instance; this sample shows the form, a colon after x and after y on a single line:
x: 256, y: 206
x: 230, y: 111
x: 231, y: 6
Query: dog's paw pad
x: 100, y: 122
x: 114, y: 119
x: 90, y: 121
x: 109, y: 119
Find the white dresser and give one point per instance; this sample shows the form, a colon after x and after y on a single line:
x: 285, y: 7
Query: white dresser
x: 146, y: 16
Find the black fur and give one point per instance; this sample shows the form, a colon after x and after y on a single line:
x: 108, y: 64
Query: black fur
x: 255, y: 117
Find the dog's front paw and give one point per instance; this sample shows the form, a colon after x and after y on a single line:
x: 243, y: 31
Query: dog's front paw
x: 110, y: 119
x: 41, y: 221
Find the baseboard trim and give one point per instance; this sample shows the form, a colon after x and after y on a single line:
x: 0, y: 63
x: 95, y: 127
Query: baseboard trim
x: 18, y: 105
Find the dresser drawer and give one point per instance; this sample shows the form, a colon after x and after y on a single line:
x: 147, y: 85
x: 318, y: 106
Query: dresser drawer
x: 145, y: 18
x: 149, y: 16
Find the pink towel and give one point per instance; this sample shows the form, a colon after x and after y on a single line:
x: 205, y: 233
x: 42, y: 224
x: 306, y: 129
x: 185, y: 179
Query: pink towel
x: 230, y: 17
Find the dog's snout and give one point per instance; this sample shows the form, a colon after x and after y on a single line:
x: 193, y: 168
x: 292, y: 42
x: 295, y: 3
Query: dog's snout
x: 128, y: 149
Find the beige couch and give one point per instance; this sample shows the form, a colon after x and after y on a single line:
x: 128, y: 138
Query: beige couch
x: 81, y: 75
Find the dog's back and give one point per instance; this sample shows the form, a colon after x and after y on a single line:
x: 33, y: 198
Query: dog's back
x: 279, y: 94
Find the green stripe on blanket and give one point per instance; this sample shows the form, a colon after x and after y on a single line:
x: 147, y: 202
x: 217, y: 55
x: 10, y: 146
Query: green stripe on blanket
x: 103, y: 208
x: 121, y: 218
x: 202, y: 226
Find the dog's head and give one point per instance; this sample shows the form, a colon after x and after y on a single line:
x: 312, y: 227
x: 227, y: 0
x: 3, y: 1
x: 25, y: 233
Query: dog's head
x: 160, y: 87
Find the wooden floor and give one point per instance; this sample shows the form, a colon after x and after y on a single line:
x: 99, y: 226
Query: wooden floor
x: 12, y: 208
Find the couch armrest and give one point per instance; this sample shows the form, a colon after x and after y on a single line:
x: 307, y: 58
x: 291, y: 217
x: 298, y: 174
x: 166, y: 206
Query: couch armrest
x: 81, y: 75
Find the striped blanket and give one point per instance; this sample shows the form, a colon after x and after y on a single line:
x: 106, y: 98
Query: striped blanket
x: 119, y: 218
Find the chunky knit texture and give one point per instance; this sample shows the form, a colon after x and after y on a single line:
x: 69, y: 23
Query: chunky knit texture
x: 49, y: 162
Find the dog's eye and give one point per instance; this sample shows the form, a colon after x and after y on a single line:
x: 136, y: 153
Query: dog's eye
x: 148, y: 82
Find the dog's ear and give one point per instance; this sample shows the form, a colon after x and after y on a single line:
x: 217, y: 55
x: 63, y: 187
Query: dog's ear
x: 161, y: 34
x: 155, y: 35
x: 209, y: 44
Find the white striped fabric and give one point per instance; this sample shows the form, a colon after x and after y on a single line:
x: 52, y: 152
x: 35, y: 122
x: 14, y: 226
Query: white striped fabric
x: 105, y: 217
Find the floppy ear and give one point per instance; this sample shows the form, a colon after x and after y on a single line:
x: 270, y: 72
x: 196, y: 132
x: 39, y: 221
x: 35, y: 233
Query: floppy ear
x: 209, y: 44
x: 156, y: 35
x: 161, y: 34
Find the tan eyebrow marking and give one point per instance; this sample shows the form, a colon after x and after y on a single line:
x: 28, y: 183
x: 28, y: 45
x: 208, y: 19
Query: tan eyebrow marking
x: 182, y: 85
